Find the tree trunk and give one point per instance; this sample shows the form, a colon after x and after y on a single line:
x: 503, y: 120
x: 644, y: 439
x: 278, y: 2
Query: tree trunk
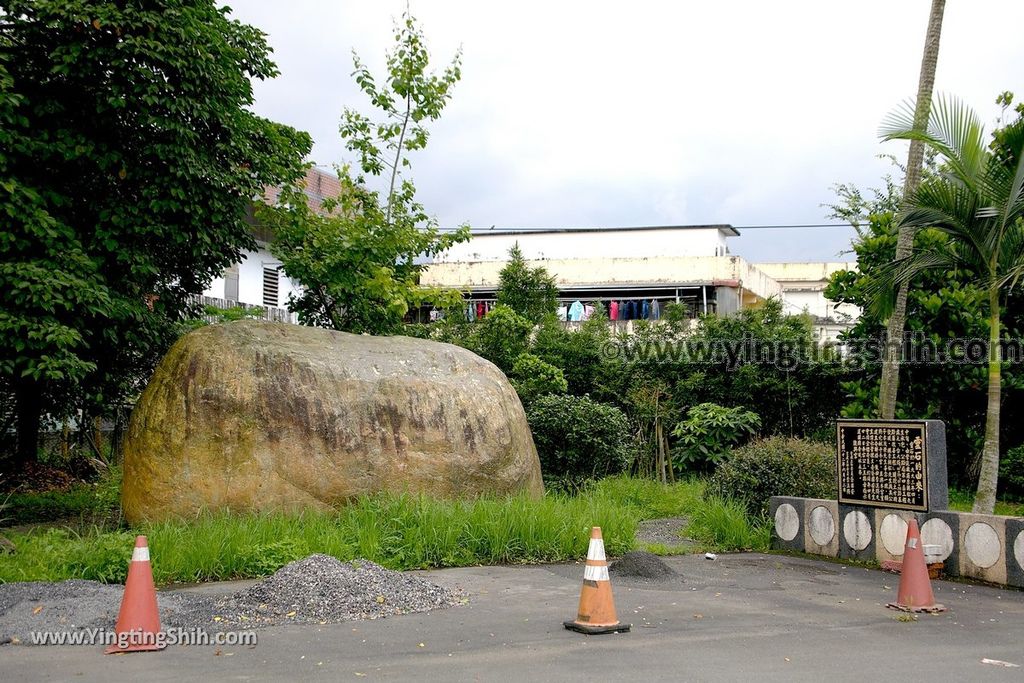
x: 29, y: 405
x: 988, y: 479
x: 905, y: 241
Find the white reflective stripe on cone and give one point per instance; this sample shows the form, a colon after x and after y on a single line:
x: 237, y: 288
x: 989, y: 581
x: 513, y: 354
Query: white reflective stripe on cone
x: 140, y: 555
x: 596, y: 550
x: 595, y: 573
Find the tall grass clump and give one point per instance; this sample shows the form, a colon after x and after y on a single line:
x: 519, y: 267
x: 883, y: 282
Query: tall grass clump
x: 399, y: 532
x: 651, y: 499
x: 724, y: 524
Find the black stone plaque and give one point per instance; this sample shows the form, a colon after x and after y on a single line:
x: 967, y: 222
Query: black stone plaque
x: 892, y: 463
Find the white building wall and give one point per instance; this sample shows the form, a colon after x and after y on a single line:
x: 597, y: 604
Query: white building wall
x: 581, y: 244
x: 250, y: 280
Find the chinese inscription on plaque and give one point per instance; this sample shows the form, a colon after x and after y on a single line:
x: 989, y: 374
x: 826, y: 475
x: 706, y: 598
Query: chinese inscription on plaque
x: 883, y: 464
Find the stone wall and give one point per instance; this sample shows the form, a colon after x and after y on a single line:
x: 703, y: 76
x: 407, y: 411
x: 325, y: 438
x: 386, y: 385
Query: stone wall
x: 985, y: 547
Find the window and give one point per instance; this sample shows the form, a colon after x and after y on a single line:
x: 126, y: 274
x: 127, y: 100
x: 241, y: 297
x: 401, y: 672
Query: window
x: 271, y: 279
x: 231, y: 283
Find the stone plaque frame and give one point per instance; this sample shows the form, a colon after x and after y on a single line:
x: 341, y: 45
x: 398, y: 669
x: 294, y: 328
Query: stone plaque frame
x: 935, y: 492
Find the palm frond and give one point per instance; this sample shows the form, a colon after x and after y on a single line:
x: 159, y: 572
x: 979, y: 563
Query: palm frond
x: 953, y: 130
x: 881, y: 291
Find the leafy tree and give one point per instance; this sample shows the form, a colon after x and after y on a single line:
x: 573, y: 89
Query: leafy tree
x: 941, y: 306
x: 532, y: 377
x: 977, y: 204
x: 359, y: 256
x: 530, y: 292
x: 709, y: 432
x: 128, y: 156
x: 501, y: 337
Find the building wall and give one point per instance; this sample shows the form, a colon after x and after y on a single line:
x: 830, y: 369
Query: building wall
x: 250, y: 280
x: 803, y: 288
x: 725, y: 271
x: 583, y: 244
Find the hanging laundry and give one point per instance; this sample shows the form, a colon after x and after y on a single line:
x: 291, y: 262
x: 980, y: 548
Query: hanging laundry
x: 562, y: 312
x: 471, y: 312
x: 575, y: 311
x: 613, y: 310
x: 646, y: 312
x: 587, y: 312
x: 655, y: 310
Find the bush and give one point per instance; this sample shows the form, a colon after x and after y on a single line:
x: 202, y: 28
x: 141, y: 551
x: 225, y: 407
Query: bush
x: 579, y: 436
x: 708, y: 432
x: 533, y: 377
x: 776, y: 466
x: 501, y: 337
x: 1011, y: 472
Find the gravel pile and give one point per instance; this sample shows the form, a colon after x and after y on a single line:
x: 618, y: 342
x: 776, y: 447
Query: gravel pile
x: 642, y: 565
x: 318, y: 589
x: 321, y: 589
x: 82, y: 605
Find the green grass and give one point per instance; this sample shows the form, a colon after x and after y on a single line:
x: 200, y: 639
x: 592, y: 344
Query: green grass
x: 400, y: 532
x: 652, y: 499
x: 83, y: 503
x: 723, y: 524
x: 962, y: 500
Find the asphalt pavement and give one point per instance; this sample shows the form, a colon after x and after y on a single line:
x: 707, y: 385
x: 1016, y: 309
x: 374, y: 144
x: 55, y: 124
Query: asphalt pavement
x: 740, y: 617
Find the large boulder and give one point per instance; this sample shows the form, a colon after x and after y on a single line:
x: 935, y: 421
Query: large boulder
x: 252, y: 416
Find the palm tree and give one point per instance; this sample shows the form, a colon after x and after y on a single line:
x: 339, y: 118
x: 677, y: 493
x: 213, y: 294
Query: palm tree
x: 905, y: 240
x: 977, y: 201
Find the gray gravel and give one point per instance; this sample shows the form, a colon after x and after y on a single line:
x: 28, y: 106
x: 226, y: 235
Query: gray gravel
x: 321, y: 589
x: 81, y: 605
x: 642, y: 565
x: 667, y: 531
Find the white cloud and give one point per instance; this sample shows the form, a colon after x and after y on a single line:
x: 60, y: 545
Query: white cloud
x: 573, y: 113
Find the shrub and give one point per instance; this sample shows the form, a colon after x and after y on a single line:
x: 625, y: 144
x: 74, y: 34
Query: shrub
x: 533, y: 377
x: 776, y: 466
x: 579, y: 436
x: 708, y: 432
x: 1011, y: 472
x: 501, y: 337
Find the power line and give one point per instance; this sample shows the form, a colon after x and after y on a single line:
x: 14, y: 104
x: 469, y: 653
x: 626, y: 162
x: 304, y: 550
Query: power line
x: 781, y: 226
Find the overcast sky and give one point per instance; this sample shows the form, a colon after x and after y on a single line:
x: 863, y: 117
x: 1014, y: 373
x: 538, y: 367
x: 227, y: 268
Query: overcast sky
x: 646, y: 113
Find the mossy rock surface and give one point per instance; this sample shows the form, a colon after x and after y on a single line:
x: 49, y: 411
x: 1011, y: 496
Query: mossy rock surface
x: 250, y: 416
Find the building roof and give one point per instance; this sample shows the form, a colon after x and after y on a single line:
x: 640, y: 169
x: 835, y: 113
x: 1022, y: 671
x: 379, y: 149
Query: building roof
x: 723, y: 227
x: 317, y: 184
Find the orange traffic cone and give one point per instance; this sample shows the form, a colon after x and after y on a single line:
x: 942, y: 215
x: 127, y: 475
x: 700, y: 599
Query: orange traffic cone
x: 915, y: 594
x: 597, y: 607
x: 138, y: 622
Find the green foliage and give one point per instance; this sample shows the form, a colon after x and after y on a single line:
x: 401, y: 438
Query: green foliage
x: 652, y: 499
x: 359, y: 255
x: 581, y: 355
x: 128, y: 156
x: 93, y: 502
x: 724, y: 524
x: 530, y: 292
x: 709, y: 432
x: 501, y: 337
x: 776, y: 466
x: 579, y: 436
x: 1011, y: 472
x: 944, y: 303
x: 532, y: 377
x: 400, y: 532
